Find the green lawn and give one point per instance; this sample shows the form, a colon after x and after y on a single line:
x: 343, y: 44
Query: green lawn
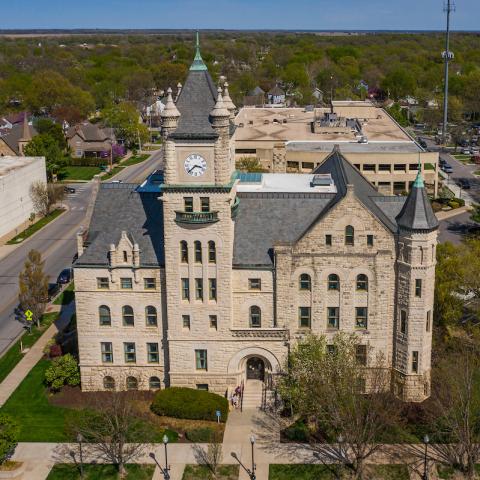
x: 66, y: 296
x: 113, y: 172
x: 134, y: 160
x: 79, y: 173
x: 201, y: 472
x: 35, y: 227
x: 13, y: 355
x: 65, y: 471
x: 322, y: 472
x: 39, y: 421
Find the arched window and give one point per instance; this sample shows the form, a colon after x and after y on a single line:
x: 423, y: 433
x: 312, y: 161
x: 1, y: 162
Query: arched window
x: 151, y: 316
x: 132, y: 383
x: 108, y: 383
x: 362, y: 282
x: 104, y: 315
x: 333, y: 282
x: 255, y: 317
x: 349, y: 235
x: 184, y: 251
x: 305, y: 282
x: 198, y: 251
x: 212, y: 252
x: 127, y: 316
x: 154, y: 383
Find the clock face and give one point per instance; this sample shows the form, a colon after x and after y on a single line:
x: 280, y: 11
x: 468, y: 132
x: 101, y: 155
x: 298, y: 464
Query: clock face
x: 195, y: 165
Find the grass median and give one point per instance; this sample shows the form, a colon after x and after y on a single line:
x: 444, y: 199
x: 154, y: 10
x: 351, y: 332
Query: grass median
x: 65, y: 471
x: 36, y: 227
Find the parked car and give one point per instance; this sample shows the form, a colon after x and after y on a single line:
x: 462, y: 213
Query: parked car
x: 116, y: 181
x: 422, y: 143
x: 475, y: 150
x: 447, y: 168
x: 65, y: 276
x: 442, y: 162
x: 68, y: 189
x: 464, y: 183
x: 466, y: 151
x: 53, y: 289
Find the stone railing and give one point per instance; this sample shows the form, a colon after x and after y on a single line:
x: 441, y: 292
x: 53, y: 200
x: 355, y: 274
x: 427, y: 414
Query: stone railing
x: 196, y: 217
x: 273, y: 333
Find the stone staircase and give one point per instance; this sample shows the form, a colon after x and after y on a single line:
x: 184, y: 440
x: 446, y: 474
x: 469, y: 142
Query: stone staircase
x: 252, y: 394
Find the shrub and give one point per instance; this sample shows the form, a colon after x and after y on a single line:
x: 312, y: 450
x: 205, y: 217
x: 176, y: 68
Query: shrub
x: 188, y: 403
x: 297, y: 432
x: 453, y: 204
x: 9, y: 431
x: 460, y: 201
x: 200, y: 435
x: 63, y: 371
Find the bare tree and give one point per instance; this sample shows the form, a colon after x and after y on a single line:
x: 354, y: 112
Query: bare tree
x: 113, y: 428
x: 45, y: 195
x: 33, y: 286
x: 211, y: 454
x: 344, y: 398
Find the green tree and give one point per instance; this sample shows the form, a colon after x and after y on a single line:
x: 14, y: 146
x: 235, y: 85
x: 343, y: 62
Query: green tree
x: 248, y: 164
x: 63, y: 371
x: 9, y: 431
x: 48, y: 127
x: 45, y: 145
x: 400, y: 82
x: 33, y: 286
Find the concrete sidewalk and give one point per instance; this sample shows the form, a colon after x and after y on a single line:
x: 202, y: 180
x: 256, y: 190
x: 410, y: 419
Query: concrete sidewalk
x: 31, y: 358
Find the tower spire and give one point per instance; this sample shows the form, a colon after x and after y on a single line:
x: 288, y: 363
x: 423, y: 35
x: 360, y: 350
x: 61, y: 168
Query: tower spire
x: 418, y: 183
x: 198, y: 63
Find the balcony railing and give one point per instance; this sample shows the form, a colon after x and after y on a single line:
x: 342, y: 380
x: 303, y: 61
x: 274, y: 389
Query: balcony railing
x: 277, y: 333
x: 196, y: 217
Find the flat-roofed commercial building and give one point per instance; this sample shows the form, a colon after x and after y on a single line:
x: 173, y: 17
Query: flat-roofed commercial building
x: 299, y: 139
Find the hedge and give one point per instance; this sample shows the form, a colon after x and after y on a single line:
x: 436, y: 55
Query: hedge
x: 179, y: 402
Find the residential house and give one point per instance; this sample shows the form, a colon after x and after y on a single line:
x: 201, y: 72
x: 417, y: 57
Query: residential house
x: 89, y: 140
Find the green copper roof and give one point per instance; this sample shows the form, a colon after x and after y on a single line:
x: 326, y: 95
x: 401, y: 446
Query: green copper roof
x: 418, y: 183
x: 198, y: 63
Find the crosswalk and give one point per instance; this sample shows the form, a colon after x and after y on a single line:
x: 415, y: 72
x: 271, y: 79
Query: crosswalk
x: 79, y: 188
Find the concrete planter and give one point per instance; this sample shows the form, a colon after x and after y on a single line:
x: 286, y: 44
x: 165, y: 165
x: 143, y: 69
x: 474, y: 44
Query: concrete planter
x: 16, y: 474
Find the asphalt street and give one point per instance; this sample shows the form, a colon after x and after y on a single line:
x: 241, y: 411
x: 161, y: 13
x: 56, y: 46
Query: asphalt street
x: 57, y: 244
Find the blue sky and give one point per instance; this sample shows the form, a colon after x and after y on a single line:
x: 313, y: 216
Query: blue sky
x: 242, y: 14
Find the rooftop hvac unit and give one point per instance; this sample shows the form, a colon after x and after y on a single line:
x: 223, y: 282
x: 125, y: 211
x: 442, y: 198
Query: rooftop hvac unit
x: 321, y: 180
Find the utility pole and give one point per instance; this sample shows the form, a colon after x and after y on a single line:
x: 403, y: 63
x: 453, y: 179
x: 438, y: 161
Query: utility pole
x: 447, y: 55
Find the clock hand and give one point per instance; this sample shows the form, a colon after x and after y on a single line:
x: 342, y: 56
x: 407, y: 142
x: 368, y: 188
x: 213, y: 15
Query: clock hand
x: 195, y: 166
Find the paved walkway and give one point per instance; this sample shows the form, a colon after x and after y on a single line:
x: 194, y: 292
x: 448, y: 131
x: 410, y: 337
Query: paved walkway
x: 31, y: 358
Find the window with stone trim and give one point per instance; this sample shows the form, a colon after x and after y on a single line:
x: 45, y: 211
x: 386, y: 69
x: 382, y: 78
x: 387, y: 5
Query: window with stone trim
x: 201, y: 359
x: 349, y: 235
x: 305, y: 282
x: 183, y: 251
x: 149, y: 283
x: 153, y: 355
x: 132, y: 383
x: 197, y: 246
x: 429, y: 321
x: 204, y: 204
x: 212, y: 252
x: 403, y: 322
x: 362, y: 282
x: 186, y: 321
x: 369, y: 240
x: 154, y: 383
x: 333, y: 317
x: 126, y: 283
x: 199, y: 288
x: 415, y: 361
x: 328, y: 240
x: 333, y: 282
x: 304, y: 317
x: 188, y: 204
x: 185, y: 289
x: 202, y: 386
x: 418, y: 287
x: 103, y: 283
x: 151, y: 316
x: 125, y: 256
x: 361, y: 355
x: 107, y: 352
x: 108, y: 383
x: 212, y: 289
x: 128, y: 317
x: 213, y: 322
x: 361, y: 318
x: 254, y: 284
x: 255, y: 317
x: 104, y: 316
x: 130, y: 352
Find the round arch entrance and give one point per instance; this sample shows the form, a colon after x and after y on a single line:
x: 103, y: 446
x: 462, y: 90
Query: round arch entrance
x: 255, y: 369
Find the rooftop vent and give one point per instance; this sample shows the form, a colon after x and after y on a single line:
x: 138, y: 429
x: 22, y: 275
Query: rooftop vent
x: 321, y: 180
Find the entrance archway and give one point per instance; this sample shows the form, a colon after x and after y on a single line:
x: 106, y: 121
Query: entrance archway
x: 255, y: 369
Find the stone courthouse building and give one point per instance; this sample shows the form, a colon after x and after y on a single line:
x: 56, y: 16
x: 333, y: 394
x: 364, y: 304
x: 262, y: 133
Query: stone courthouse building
x: 204, y: 277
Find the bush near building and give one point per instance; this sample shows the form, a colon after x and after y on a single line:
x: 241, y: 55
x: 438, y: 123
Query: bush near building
x: 63, y: 371
x: 188, y: 403
x: 9, y: 431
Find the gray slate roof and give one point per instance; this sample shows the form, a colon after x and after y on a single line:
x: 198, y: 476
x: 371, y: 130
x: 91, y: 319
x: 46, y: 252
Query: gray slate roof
x: 196, y: 101
x: 417, y: 213
x: 15, y: 134
x: 120, y: 207
x: 90, y: 132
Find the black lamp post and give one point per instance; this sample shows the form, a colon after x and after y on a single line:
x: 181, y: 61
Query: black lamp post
x: 80, y: 440
x: 165, y: 471
x: 250, y: 473
x: 426, y: 441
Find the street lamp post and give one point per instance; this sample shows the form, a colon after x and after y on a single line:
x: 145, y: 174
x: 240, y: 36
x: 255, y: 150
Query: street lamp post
x: 426, y: 440
x: 250, y: 473
x: 80, y: 440
x: 165, y: 471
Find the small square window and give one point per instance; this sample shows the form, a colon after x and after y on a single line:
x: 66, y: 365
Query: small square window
x: 331, y: 349
x: 304, y: 317
x: 126, y: 283
x: 201, y: 359
x: 103, y: 283
x: 188, y: 204
x: 152, y: 353
x: 130, y: 353
x: 202, y: 386
x: 186, y: 321
x: 204, y: 204
x: 370, y: 240
x: 213, y: 322
x: 328, y: 240
x: 107, y: 352
x: 361, y: 317
x: 149, y: 283
x: 254, y: 283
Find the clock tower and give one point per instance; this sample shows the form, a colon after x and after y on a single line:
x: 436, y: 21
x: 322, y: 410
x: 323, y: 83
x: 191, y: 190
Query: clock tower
x: 199, y: 198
